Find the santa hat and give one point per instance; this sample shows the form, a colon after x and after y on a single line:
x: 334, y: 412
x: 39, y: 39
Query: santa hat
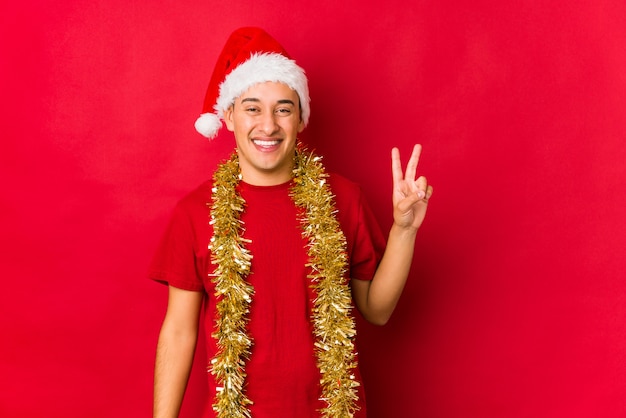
x: 250, y: 56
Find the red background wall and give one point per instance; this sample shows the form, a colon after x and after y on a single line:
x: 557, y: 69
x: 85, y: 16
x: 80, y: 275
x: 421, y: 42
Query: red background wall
x: 515, y: 305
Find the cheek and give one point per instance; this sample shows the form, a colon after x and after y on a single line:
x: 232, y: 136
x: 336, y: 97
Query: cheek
x: 294, y: 126
x: 239, y: 124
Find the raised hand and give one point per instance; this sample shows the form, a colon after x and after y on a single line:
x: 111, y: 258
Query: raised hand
x: 410, y: 195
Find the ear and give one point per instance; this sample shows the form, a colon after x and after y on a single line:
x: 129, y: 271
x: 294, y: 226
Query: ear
x: 300, y: 125
x: 228, y: 118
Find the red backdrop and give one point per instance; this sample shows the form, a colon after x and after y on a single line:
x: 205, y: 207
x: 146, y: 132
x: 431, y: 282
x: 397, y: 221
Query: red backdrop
x: 515, y: 305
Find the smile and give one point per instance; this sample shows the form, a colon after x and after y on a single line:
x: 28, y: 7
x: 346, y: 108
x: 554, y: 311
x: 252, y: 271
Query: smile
x: 266, y: 142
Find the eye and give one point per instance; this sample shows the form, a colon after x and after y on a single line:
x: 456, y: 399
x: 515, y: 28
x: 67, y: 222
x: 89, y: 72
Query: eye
x: 251, y: 109
x: 283, y: 111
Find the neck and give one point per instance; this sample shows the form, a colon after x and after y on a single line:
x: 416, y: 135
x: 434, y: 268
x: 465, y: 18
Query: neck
x: 256, y: 180
x: 261, y: 177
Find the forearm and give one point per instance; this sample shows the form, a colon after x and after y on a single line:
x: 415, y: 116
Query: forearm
x: 386, y: 287
x: 174, y: 359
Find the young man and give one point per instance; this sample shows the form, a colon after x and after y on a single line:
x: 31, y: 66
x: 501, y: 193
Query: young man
x: 272, y: 251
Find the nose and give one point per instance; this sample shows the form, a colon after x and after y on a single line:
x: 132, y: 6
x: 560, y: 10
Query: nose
x: 267, y: 123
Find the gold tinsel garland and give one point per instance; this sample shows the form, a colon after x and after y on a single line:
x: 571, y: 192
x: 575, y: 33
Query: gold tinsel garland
x: 232, y: 291
x: 333, y: 324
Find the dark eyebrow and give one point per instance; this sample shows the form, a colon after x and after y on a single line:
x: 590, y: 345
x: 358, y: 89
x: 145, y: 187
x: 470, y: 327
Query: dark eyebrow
x: 255, y: 100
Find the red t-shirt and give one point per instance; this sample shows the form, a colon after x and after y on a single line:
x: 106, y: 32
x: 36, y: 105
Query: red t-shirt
x: 283, y: 379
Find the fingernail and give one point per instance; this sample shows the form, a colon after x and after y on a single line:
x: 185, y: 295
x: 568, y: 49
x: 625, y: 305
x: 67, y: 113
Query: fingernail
x: 421, y: 194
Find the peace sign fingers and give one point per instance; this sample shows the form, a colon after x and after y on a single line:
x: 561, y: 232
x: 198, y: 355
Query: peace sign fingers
x: 410, y: 195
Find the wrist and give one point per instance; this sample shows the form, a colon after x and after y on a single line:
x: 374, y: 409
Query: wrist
x: 403, y: 231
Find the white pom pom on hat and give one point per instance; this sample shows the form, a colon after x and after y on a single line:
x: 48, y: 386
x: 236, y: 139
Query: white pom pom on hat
x: 250, y: 56
x: 208, y: 124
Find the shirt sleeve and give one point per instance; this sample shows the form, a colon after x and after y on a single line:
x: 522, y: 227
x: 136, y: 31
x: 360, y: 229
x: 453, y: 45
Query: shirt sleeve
x: 366, y: 243
x: 369, y: 243
x: 176, y: 260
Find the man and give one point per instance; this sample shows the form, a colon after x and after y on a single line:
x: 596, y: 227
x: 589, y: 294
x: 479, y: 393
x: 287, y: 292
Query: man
x: 272, y: 251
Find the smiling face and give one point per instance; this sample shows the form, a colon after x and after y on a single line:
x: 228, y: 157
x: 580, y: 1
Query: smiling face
x: 265, y: 121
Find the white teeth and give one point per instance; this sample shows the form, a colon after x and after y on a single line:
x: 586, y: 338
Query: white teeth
x: 265, y: 143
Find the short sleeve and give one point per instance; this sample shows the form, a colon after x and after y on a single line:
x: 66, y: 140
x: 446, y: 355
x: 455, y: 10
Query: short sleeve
x: 366, y: 242
x: 182, y: 256
x: 369, y: 244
